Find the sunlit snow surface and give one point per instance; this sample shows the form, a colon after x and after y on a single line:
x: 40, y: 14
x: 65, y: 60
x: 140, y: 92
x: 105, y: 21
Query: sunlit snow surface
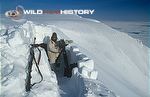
x: 122, y: 61
x: 137, y: 29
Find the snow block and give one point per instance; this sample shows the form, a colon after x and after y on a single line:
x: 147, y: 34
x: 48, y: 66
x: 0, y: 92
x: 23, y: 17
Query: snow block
x: 76, y: 53
x: 93, y: 74
x: 74, y: 48
x: 87, y: 63
x: 85, y: 72
x: 82, y: 56
x: 85, y: 58
x: 74, y: 71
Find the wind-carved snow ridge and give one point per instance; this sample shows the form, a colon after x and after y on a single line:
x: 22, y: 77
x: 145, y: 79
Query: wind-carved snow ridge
x: 15, y: 45
x: 105, y: 57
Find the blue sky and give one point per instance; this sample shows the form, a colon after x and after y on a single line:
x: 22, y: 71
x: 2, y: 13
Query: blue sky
x: 124, y: 10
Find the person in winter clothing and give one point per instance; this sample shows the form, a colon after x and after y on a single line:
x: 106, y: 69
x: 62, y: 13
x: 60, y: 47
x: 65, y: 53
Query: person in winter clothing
x: 53, y: 48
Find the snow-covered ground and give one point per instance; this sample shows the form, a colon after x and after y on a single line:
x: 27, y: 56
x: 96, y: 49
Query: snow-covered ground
x: 121, y: 61
x: 136, y: 29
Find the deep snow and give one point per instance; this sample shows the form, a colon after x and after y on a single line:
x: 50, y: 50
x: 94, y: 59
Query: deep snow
x: 121, y: 61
